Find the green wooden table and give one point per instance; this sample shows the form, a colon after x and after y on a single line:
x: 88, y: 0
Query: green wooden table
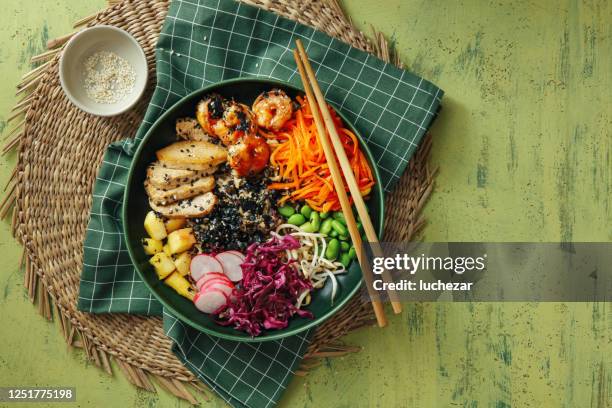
x: 524, y: 149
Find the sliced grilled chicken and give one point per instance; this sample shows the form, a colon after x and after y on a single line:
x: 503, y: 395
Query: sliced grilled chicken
x: 167, y: 196
x: 197, y: 206
x: 190, y: 153
x: 163, y: 177
x: 197, y: 167
x: 190, y: 129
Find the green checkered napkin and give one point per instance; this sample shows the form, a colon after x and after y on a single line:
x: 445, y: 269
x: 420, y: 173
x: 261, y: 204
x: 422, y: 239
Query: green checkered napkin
x: 203, y: 42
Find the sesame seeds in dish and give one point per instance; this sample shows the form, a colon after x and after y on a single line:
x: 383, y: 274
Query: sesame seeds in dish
x: 107, y: 77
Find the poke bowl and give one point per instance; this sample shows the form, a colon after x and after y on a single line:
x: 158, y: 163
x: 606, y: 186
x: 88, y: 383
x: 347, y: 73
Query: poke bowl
x: 230, y: 217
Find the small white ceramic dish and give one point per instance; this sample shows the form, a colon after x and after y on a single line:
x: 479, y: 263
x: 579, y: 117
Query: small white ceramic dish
x: 88, y: 42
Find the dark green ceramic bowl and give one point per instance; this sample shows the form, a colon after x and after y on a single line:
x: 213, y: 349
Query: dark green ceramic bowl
x: 136, y: 206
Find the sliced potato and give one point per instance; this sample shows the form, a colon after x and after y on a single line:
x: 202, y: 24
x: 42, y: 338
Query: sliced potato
x: 181, y: 240
x: 183, y: 263
x: 152, y: 246
x: 180, y: 285
x: 174, y: 224
x: 163, y: 264
x: 154, y: 225
x: 166, y: 249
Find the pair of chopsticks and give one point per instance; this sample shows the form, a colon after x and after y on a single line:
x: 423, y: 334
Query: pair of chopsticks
x: 318, y: 106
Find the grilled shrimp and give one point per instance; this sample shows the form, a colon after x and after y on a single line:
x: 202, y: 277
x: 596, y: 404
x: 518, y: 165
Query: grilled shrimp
x: 272, y: 109
x: 209, y: 113
x: 237, y: 123
x: 249, y: 156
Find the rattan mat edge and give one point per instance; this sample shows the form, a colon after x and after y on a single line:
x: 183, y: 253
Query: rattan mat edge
x: 52, y: 193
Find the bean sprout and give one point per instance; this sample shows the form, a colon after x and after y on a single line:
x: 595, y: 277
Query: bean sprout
x: 311, y: 261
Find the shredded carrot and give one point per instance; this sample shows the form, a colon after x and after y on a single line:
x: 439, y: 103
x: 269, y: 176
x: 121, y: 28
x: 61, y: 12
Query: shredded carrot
x: 301, y: 162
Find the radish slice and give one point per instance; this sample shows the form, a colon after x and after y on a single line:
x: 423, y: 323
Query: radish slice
x: 238, y: 254
x: 203, y: 264
x: 210, y: 285
x: 213, y: 275
x: 204, y: 280
x: 231, y: 265
x: 210, y: 300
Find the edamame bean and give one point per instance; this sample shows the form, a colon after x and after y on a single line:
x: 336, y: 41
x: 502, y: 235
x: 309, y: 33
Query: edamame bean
x: 324, y: 215
x: 344, y: 246
x: 306, y: 210
x: 352, y: 252
x: 333, y: 233
x: 286, y: 211
x: 345, y: 259
x: 360, y: 227
x: 315, y: 220
x: 296, y: 219
x: 343, y: 237
x: 326, y: 226
x: 339, y: 227
x: 308, y: 227
x: 332, y: 249
x: 339, y: 216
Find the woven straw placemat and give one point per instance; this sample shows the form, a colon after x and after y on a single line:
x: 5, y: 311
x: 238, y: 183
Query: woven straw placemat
x: 60, y: 148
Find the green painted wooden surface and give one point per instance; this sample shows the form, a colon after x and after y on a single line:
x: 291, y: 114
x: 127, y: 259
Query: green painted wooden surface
x: 524, y: 149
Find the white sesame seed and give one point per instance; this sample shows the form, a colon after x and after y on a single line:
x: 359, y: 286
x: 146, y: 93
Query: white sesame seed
x: 108, y: 78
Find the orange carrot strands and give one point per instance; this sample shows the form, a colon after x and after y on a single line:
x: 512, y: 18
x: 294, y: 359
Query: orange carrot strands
x: 298, y: 154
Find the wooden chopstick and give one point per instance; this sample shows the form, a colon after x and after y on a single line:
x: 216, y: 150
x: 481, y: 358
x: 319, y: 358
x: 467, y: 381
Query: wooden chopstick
x: 309, y: 77
x: 377, y: 306
x: 345, y: 204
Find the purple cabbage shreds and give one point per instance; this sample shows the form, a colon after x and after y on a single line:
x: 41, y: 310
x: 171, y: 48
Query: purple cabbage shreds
x: 269, y: 289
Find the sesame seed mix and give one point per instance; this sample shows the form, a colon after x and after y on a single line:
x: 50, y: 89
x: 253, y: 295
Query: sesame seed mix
x: 107, y: 77
x: 245, y: 213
